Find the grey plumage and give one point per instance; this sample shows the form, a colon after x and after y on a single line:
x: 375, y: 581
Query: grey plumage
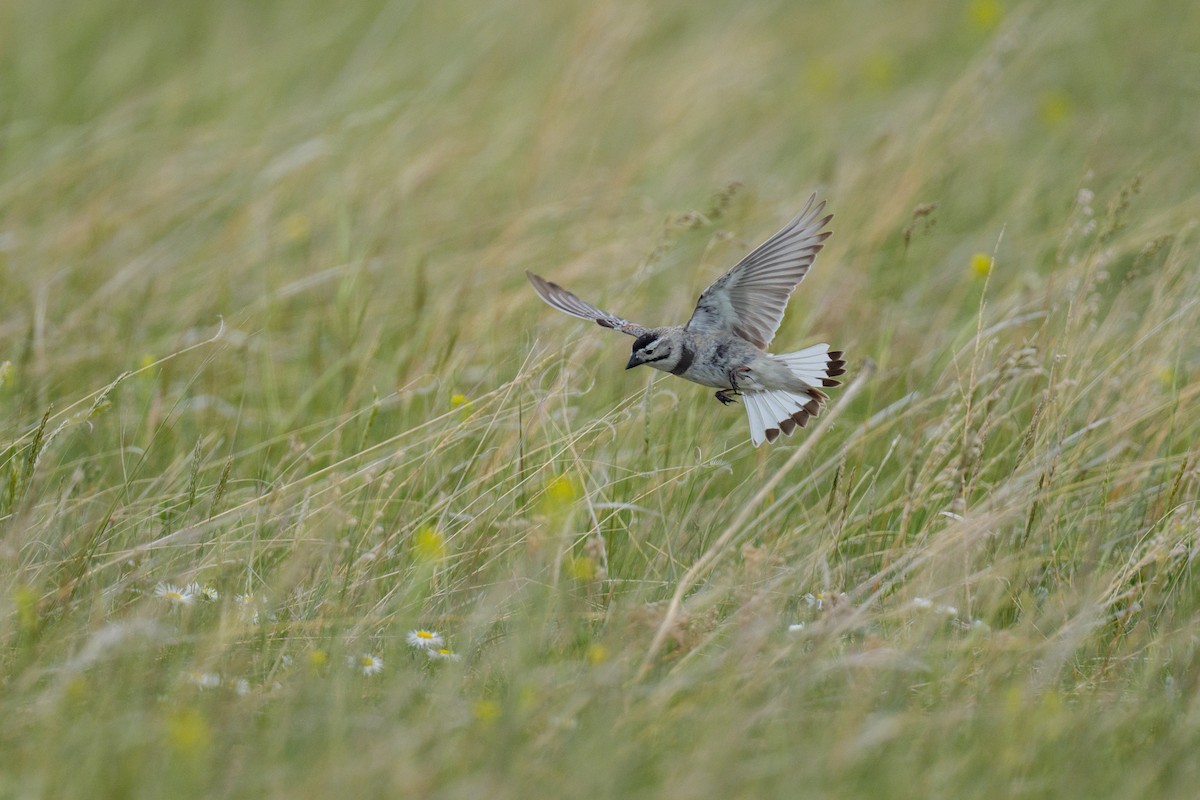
x: 724, y: 343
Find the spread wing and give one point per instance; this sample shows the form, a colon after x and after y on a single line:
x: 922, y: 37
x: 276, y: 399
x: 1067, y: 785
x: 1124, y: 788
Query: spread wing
x: 749, y: 299
x: 567, y: 302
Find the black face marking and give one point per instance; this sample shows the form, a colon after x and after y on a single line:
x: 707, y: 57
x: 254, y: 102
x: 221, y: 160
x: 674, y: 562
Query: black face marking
x: 644, y: 340
x: 641, y: 354
x: 686, y: 357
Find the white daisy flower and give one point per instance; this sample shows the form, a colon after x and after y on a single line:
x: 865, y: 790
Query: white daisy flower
x: 175, y: 595
x: 925, y: 604
x: 204, y: 592
x: 369, y: 664
x: 443, y: 654
x: 204, y: 680
x: 247, y: 605
x: 795, y: 627
x: 425, y: 640
x: 240, y: 685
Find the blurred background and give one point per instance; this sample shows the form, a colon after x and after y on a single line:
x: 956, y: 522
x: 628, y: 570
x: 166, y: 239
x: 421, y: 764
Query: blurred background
x: 166, y: 165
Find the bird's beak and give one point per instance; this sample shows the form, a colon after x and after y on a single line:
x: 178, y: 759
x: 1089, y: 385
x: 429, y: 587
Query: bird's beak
x: 633, y: 361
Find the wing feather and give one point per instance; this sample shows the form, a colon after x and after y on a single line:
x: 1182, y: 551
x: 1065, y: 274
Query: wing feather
x: 749, y: 300
x: 568, y: 303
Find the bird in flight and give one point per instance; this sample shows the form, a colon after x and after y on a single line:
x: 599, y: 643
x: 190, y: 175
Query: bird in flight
x: 724, y: 344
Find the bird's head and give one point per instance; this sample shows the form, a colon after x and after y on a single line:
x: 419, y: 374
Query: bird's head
x: 651, y: 348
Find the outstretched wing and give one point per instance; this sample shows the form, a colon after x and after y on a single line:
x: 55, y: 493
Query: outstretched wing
x: 749, y: 299
x: 567, y: 302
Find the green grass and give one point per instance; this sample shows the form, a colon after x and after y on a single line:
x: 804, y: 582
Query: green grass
x: 264, y: 327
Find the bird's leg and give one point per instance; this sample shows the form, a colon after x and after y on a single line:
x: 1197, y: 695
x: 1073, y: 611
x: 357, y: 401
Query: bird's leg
x: 726, y: 395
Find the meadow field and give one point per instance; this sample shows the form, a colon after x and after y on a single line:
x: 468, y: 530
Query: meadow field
x: 305, y: 493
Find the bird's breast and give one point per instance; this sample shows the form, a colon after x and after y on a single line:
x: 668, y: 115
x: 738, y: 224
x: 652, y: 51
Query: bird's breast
x: 707, y: 374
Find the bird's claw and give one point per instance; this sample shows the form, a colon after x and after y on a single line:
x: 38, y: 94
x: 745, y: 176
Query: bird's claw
x: 726, y: 395
x: 733, y: 378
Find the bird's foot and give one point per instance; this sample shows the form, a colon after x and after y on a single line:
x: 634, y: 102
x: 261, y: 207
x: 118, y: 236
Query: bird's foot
x: 726, y: 395
x: 733, y: 378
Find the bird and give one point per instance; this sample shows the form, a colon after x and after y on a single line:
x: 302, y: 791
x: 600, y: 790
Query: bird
x: 724, y: 344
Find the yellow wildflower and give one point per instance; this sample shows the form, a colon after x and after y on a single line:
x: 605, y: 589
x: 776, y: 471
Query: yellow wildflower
x: 26, y: 601
x: 981, y: 265
x: 1054, y: 107
x: 487, y: 711
x: 187, y: 731
x: 581, y: 568
x: 596, y: 653
x: 984, y: 14
x: 561, y: 490
x: 429, y: 544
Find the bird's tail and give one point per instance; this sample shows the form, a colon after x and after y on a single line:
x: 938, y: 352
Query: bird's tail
x: 779, y: 410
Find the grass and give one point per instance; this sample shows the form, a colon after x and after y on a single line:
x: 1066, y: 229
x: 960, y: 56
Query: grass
x: 264, y: 329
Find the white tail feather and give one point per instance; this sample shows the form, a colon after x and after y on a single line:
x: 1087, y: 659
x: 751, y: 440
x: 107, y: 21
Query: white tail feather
x: 774, y: 412
x: 758, y: 421
x: 779, y: 411
x: 780, y: 407
x: 758, y: 428
x: 809, y: 364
